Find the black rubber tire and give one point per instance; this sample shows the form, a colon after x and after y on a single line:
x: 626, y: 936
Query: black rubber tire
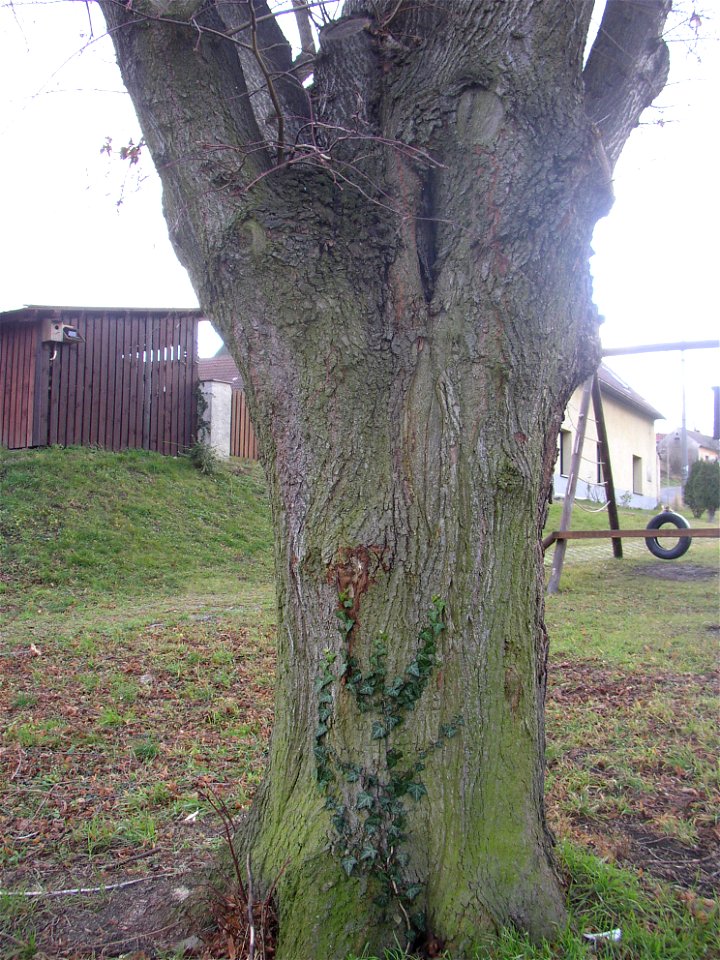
x: 655, y: 546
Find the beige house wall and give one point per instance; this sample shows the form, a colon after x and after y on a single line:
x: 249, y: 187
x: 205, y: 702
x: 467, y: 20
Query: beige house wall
x: 631, y: 436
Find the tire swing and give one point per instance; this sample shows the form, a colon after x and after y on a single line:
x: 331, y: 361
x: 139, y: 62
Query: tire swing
x: 654, y: 545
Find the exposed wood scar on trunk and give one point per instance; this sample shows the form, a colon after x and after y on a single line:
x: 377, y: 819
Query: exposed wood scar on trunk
x: 513, y: 688
x: 353, y: 573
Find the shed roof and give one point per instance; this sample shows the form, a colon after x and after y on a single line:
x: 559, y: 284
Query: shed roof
x: 32, y: 311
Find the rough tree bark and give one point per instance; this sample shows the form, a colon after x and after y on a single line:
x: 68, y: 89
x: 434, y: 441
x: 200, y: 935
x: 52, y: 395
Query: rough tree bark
x: 398, y: 260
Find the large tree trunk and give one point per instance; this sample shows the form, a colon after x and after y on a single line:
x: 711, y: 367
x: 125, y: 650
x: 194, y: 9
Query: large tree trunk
x: 410, y: 307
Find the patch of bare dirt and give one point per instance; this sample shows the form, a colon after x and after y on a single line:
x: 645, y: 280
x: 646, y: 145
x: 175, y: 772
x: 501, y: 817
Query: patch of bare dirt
x: 633, y: 825
x: 681, y: 572
x: 140, y: 920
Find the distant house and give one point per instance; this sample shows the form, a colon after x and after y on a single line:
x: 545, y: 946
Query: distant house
x: 699, y: 447
x: 223, y: 369
x: 115, y: 378
x: 630, y: 423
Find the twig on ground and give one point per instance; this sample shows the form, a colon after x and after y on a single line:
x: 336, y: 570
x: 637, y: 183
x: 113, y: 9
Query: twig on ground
x: 74, y: 891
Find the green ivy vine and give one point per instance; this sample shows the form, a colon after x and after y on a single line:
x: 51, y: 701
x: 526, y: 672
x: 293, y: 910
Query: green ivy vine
x: 369, y: 835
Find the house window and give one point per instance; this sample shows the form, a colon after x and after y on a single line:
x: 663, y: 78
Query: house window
x: 637, y: 475
x: 565, y: 452
x: 599, y: 455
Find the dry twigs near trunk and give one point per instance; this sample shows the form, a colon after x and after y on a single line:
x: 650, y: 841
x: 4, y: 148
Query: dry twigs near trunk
x: 246, y: 928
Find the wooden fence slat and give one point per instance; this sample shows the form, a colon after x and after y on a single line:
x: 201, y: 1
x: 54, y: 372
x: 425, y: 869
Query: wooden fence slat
x: 55, y: 384
x: 73, y: 415
x: 41, y: 394
x: 9, y: 391
x: 87, y: 367
x: 243, y: 441
x: 81, y: 406
x: 156, y: 375
x: 164, y: 394
x: 125, y: 380
x: 110, y: 362
x: 175, y: 398
x: 64, y: 360
x: 190, y: 384
x: 115, y: 382
x: 110, y: 381
x: 94, y: 333
x: 21, y: 390
x: 4, y: 368
x: 140, y: 381
x: 17, y: 385
x: 131, y: 348
x: 146, y: 381
x: 156, y: 410
x: 12, y: 359
x: 15, y: 361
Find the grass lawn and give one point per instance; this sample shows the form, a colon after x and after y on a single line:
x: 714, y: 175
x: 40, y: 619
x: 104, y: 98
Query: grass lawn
x: 136, y: 670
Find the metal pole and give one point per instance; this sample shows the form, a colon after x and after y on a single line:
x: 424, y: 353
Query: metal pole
x: 660, y: 347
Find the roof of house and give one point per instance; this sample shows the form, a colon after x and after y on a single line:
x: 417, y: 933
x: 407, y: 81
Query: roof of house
x: 615, y: 386
x: 694, y: 436
x: 703, y: 440
x: 220, y: 367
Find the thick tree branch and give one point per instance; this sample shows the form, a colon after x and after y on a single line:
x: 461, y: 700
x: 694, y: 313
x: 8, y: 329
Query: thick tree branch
x: 279, y: 102
x: 187, y: 59
x: 303, y: 65
x: 192, y: 101
x: 302, y: 18
x: 626, y: 70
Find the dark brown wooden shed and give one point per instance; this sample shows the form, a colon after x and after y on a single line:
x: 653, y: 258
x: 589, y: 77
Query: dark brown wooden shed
x: 115, y: 378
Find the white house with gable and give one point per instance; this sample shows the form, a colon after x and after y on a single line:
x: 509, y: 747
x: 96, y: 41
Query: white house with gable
x: 630, y: 424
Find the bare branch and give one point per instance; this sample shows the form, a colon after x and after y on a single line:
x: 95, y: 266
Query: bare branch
x: 82, y: 891
x: 259, y: 56
x: 626, y: 70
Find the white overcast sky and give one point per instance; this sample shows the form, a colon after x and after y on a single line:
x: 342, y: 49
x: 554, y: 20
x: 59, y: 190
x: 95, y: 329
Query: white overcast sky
x: 66, y: 240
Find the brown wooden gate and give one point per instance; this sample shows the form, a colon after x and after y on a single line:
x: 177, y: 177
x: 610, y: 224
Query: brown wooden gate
x: 243, y: 442
x: 130, y: 382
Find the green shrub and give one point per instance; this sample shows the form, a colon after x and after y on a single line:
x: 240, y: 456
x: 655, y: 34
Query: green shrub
x: 204, y: 457
x: 702, y: 490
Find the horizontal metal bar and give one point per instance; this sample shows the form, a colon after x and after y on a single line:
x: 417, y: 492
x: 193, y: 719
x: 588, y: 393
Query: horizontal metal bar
x: 660, y: 347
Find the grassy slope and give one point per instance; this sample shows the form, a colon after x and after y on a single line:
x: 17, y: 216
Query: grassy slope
x: 96, y: 548
x: 84, y: 531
